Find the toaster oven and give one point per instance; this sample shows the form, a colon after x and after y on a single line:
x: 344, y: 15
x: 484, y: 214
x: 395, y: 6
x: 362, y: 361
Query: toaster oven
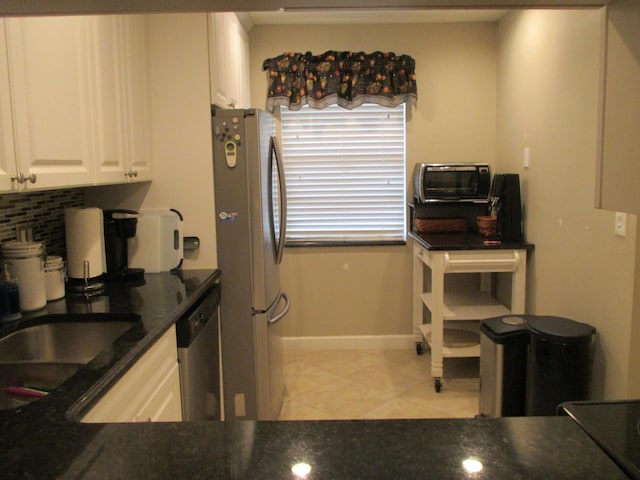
x: 434, y: 182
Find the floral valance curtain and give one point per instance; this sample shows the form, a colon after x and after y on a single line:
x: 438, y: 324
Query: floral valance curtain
x: 348, y: 79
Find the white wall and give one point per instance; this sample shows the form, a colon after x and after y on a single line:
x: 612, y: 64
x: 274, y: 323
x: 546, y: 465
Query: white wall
x: 548, y: 100
x: 181, y: 134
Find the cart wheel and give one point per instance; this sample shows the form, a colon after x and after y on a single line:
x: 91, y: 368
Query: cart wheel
x: 438, y: 385
x: 419, y: 349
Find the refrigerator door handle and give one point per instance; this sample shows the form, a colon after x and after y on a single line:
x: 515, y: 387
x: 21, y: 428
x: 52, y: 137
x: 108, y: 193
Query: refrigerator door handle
x: 283, y: 312
x: 282, y: 199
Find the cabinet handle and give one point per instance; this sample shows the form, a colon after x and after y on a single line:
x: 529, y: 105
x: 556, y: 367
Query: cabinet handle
x: 131, y: 173
x: 21, y: 178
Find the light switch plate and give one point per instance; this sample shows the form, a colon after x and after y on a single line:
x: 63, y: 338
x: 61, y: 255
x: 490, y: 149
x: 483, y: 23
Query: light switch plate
x: 621, y: 224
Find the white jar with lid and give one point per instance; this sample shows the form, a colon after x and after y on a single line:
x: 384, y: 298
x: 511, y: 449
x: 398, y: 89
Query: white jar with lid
x: 55, y: 275
x: 25, y: 263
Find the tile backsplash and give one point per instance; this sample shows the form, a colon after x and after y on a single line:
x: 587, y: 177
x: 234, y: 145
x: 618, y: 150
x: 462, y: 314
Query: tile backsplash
x: 43, y: 212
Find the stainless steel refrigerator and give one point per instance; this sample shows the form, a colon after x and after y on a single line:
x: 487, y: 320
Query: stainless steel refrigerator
x: 250, y: 206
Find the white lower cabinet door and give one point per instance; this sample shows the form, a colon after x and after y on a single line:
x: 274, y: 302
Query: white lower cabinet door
x: 163, y: 405
x: 149, y: 391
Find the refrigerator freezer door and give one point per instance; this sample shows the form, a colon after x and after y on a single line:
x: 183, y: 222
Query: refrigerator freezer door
x: 269, y: 362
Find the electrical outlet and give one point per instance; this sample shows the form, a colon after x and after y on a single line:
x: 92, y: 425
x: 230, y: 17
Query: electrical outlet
x: 527, y: 157
x: 621, y: 224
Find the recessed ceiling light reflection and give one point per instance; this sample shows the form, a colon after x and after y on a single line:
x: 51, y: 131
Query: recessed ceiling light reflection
x: 471, y: 465
x: 301, y: 470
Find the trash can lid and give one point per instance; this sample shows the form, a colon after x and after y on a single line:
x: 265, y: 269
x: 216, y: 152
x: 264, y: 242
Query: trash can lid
x: 560, y: 329
x: 506, y: 328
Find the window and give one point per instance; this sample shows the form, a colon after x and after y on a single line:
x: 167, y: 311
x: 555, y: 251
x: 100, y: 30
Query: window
x: 345, y: 174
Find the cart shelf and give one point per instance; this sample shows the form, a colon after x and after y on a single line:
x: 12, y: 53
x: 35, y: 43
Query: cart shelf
x: 467, y: 306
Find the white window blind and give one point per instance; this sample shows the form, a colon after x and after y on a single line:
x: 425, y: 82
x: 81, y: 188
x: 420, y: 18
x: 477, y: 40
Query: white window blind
x: 345, y: 174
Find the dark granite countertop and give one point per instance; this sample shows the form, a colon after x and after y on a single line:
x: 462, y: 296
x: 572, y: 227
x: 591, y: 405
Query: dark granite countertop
x: 508, y: 448
x: 464, y: 241
x: 45, y: 440
x: 615, y: 426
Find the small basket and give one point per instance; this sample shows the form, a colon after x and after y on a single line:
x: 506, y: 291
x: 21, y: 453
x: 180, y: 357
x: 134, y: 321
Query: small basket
x: 487, y: 225
x: 440, y: 225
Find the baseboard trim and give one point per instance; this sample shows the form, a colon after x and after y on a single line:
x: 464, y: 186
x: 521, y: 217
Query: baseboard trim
x: 350, y: 342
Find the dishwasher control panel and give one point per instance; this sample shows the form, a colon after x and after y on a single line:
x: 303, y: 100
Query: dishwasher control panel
x: 204, y: 310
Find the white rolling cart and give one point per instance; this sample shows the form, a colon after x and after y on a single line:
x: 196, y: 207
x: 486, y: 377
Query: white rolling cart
x: 457, y: 311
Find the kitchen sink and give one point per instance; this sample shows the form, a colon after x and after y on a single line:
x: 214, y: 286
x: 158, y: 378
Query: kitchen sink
x: 65, y: 342
x: 44, y: 355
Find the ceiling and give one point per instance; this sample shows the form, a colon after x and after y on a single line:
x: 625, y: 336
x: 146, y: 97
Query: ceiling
x: 345, y: 16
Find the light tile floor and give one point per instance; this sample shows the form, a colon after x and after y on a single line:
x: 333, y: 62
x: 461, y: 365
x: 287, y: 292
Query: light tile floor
x: 376, y: 384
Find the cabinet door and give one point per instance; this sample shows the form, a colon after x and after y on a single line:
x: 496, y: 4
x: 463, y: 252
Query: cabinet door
x: 232, y: 64
x: 229, y: 61
x: 149, y: 391
x: 7, y: 151
x: 123, y: 99
x: 52, y: 80
x: 239, y: 51
x: 217, y: 61
x: 138, y: 97
x: 163, y: 405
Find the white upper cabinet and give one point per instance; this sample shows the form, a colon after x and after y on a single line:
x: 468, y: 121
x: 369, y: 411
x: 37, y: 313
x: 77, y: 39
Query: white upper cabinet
x: 75, y: 103
x: 123, y: 152
x: 52, y: 85
x: 7, y: 150
x: 229, y: 61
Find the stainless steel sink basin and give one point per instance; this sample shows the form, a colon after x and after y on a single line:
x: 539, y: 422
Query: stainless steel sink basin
x: 45, y: 355
x: 73, y: 342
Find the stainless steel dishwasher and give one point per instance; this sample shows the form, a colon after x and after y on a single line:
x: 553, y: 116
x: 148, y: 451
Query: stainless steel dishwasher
x: 197, y: 338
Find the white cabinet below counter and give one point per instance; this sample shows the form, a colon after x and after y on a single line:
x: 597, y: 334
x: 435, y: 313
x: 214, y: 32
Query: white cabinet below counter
x: 148, y: 392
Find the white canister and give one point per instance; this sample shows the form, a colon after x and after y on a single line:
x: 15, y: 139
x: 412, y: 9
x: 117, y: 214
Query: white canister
x: 25, y: 263
x: 55, y: 275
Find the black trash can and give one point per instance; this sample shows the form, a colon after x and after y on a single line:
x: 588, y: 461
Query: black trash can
x: 503, y: 365
x: 559, y: 363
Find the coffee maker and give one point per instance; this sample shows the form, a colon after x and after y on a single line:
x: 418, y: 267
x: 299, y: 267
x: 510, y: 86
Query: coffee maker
x: 119, y: 226
x: 506, y: 205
